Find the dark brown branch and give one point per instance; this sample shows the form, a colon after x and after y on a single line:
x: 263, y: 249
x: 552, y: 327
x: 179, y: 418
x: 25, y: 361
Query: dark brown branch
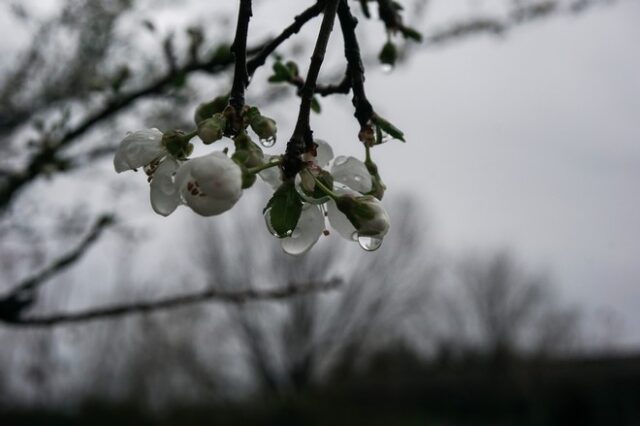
x: 299, y: 21
x: 225, y: 296
x: 342, y: 87
x: 23, y: 295
x: 239, y: 49
x: 355, y: 69
x: 49, y: 154
x: 302, y: 136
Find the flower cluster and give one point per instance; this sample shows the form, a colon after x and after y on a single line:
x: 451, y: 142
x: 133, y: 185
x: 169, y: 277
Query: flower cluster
x: 343, y: 195
x: 344, y: 190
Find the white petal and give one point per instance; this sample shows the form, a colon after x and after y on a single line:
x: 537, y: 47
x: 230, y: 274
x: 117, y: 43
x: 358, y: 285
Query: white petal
x: 211, y: 184
x: 351, y: 172
x: 139, y: 149
x: 165, y: 196
x: 271, y: 176
x: 325, y: 153
x: 307, y: 232
x: 340, y: 222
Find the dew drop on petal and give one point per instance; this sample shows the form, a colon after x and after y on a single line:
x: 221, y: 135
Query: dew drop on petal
x: 340, y: 160
x: 267, y: 220
x: 369, y: 243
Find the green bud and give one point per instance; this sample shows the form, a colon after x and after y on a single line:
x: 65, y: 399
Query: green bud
x: 388, y: 54
x: 366, y: 214
x: 212, y: 129
x: 247, y: 152
x: 177, y: 144
x: 248, y: 179
x: 208, y: 109
x: 264, y: 127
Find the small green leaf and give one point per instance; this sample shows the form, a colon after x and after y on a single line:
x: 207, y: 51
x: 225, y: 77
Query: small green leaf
x: 315, y: 105
x: 411, y: 33
x: 389, y: 128
x: 286, y: 207
x: 281, y: 70
x: 292, y: 67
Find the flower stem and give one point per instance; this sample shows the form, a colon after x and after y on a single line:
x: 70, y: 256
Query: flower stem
x: 191, y: 135
x: 324, y: 189
x: 265, y: 166
x: 302, y: 137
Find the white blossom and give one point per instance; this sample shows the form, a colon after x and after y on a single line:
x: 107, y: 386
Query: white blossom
x: 307, y: 231
x: 139, y: 149
x: 211, y: 184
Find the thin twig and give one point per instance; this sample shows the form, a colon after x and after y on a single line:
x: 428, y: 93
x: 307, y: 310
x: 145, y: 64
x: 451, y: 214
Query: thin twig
x: 302, y: 137
x: 299, y: 21
x: 209, y: 295
x: 23, y: 295
x: 239, y: 49
x: 348, y: 23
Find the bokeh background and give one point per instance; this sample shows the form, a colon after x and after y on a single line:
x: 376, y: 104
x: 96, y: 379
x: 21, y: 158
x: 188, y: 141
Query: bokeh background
x: 507, y: 291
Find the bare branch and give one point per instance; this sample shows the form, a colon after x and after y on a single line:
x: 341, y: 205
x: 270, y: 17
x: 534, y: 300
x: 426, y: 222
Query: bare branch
x: 23, y: 295
x: 299, y: 21
x: 209, y: 295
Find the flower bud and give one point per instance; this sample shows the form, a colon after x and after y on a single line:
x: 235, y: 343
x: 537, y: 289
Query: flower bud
x: 177, y: 144
x: 388, y: 54
x: 208, y: 109
x: 247, y: 152
x: 366, y: 214
x: 264, y: 127
x: 212, y: 129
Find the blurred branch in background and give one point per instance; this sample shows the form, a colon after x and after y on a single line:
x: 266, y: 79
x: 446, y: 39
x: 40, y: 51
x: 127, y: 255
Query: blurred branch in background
x: 235, y: 297
x: 24, y: 294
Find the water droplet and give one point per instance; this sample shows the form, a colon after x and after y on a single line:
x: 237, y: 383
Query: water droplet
x: 387, y: 68
x: 369, y: 243
x: 306, y: 196
x: 267, y: 220
x: 268, y: 142
x: 340, y: 160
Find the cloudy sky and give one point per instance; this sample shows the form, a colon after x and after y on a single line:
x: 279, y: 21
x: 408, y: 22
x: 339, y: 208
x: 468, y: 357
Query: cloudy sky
x: 529, y: 142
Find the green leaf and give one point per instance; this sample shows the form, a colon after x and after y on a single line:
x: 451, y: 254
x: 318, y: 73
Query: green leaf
x: 292, y: 67
x: 315, y: 105
x: 411, y: 33
x: 286, y: 207
x: 389, y: 128
x: 281, y: 70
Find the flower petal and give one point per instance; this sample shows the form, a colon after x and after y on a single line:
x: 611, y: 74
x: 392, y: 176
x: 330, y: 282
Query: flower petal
x: 339, y: 221
x: 307, y: 232
x: 165, y: 196
x: 211, y: 184
x: 139, y: 149
x: 351, y: 172
x: 271, y: 176
x: 325, y: 153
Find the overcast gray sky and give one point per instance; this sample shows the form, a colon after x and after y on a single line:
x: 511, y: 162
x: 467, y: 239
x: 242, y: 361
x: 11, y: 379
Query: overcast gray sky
x: 531, y: 142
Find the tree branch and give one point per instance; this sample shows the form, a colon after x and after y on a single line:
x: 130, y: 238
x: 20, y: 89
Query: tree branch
x: 209, y: 295
x: 239, y: 49
x: 302, y: 136
x: 299, y: 21
x: 23, y: 295
x: 355, y: 69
